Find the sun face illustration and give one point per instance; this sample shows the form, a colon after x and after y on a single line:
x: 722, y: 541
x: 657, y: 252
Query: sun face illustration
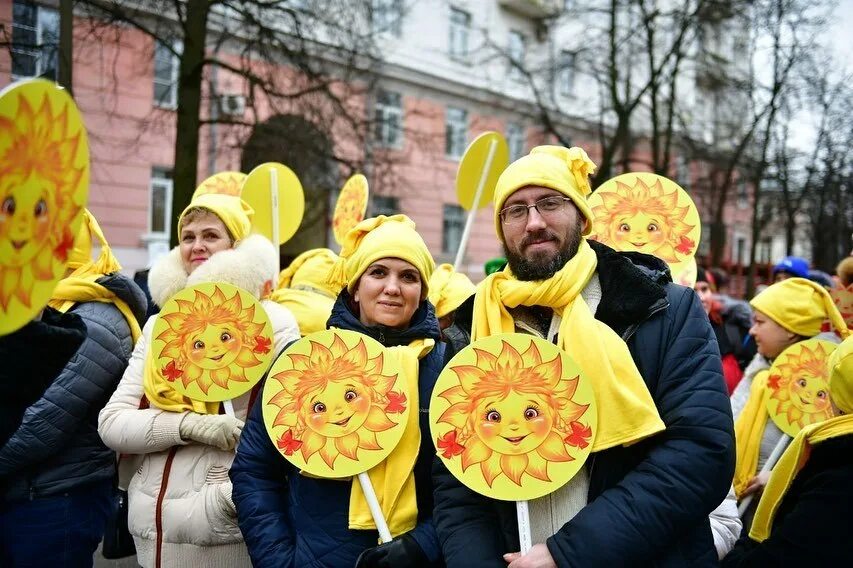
x: 224, y: 183
x: 339, y: 408
x: 213, y: 336
x: 843, y: 298
x: 799, y: 386
x: 511, y: 415
x: 44, y: 171
x: 350, y: 207
x: 645, y: 215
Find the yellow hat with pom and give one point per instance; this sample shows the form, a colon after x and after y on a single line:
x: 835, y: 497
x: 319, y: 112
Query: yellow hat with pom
x: 310, y: 269
x: 234, y: 213
x: 800, y: 306
x: 841, y: 376
x: 566, y: 170
x: 80, y: 258
x: 448, y: 289
x: 381, y: 237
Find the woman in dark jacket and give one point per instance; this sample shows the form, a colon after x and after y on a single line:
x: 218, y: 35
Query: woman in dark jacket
x: 289, y: 519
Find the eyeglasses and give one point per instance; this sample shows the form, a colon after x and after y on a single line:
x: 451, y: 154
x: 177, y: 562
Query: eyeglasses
x: 548, y: 208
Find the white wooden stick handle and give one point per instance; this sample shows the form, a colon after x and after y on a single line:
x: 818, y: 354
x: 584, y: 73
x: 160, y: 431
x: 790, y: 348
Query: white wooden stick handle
x: 375, y: 509
x: 229, y: 408
x: 275, y: 218
x: 469, y: 223
x: 524, y: 538
x: 771, y: 461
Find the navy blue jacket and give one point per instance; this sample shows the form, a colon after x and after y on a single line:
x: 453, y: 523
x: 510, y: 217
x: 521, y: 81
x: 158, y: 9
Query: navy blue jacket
x: 57, y: 448
x: 289, y: 520
x: 648, y: 504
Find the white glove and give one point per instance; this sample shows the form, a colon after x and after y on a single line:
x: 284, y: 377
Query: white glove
x: 217, y: 430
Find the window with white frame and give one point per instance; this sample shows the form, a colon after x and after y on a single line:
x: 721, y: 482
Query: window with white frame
x: 166, y: 68
x: 460, y: 28
x: 515, y: 51
x: 742, y: 194
x: 566, y: 74
x: 389, y: 119
x: 455, y: 132
x: 35, y: 41
x: 451, y: 229
x: 386, y: 17
x: 516, y: 141
x: 160, y: 204
x: 383, y: 205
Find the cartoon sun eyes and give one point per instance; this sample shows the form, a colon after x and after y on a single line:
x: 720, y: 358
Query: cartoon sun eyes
x: 40, y: 208
x: 802, y: 382
x: 199, y: 344
x: 225, y: 336
x: 625, y: 227
x: 821, y: 394
x: 350, y: 395
x: 530, y: 413
x: 493, y: 416
x: 319, y: 407
x: 652, y: 228
x: 8, y: 207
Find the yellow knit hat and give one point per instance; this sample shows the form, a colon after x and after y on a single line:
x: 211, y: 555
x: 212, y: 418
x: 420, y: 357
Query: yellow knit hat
x: 234, y: 213
x: 448, y: 289
x: 841, y: 376
x: 381, y: 237
x: 800, y: 306
x: 80, y: 258
x: 310, y: 269
x: 562, y: 169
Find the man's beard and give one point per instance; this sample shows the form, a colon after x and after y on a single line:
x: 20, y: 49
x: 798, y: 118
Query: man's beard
x: 543, y: 266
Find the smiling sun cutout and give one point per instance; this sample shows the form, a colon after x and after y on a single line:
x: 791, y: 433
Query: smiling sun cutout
x: 799, y: 386
x: 335, y: 405
x: 224, y: 183
x: 44, y: 181
x: 512, y: 417
x: 213, y: 342
x: 350, y: 207
x: 643, y: 212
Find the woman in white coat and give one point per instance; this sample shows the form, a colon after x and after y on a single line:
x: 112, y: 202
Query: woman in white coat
x: 178, y: 452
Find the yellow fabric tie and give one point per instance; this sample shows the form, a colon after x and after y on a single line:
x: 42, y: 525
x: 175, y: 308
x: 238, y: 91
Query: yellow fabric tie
x: 449, y: 289
x: 310, y: 307
x: 626, y: 411
x: 80, y: 285
x: 160, y: 393
x: 749, y: 429
x: 393, y: 480
x: 786, y: 469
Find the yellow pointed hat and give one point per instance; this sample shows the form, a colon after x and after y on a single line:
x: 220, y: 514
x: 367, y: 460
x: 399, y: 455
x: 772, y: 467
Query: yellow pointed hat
x: 800, y: 306
x: 448, y: 289
x: 234, y: 213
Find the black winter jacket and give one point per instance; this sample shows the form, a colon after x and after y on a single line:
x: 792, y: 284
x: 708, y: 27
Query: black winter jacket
x: 648, y: 503
x: 56, y: 448
x: 813, y: 524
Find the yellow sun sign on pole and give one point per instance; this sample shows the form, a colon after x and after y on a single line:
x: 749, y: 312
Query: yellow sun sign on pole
x: 645, y: 212
x: 258, y: 193
x: 225, y: 183
x: 44, y: 164
x: 335, y: 406
x: 212, y: 342
x: 843, y: 298
x: 350, y: 207
x: 481, y: 166
x: 513, y: 418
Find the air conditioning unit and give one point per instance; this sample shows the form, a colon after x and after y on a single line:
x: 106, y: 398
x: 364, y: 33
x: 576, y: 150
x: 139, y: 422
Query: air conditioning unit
x: 232, y: 105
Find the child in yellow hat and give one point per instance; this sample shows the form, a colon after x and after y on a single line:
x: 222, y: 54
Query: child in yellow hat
x: 803, y: 518
x: 785, y: 313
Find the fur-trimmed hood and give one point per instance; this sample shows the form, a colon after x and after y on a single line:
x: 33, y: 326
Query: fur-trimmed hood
x: 250, y: 265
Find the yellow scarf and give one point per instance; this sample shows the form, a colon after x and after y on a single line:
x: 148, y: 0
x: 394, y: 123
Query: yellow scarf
x: 792, y: 461
x: 160, y: 393
x: 394, y: 480
x: 749, y: 429
x: 626, y: 411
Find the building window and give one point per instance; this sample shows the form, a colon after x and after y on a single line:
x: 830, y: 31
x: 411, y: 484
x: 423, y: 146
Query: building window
x: 389, y: 119
x: 515, y: 50
x: 452, y: 227
x: 383, y: 205
x: 742, y: 194
x: 35, y: 41
x: 460, y: 27
x: 566, y: 74
x: 456, y: 132
x: 386, y: 16
x: 160, y: 206
x: 515, y: 140
x: 166, y: 68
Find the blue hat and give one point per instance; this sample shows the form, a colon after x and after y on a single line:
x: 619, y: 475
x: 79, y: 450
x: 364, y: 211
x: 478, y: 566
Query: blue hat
x: 793, y: 265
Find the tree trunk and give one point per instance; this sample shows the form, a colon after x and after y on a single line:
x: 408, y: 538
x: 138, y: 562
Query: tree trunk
x: 185, y: 173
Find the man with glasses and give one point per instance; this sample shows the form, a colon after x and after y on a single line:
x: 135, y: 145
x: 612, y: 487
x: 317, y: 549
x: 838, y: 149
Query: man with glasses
x: 663, y: 457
